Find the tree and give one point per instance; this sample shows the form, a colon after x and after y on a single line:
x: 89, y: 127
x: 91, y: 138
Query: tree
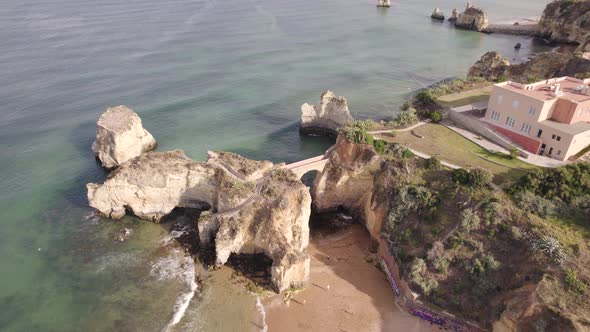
x: 513, y: 153
x: 435, y: 116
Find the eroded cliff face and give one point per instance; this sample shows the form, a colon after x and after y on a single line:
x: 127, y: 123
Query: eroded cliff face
x: 567, y: 21
x: 254, y: 207
x: 120, y: 137
x: 493, y: 66
x: 348, y: 180
x: 326, y: 117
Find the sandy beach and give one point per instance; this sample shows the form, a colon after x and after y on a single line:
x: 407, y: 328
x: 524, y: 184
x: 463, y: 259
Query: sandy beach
x: 346, y: 291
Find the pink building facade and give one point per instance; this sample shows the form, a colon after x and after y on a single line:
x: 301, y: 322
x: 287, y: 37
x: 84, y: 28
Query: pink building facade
x: 549, y: 118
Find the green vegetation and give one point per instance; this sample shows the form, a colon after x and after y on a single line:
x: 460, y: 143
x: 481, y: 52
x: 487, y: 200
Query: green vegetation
x: 436, y: 116
x: 405, y: 118
x: 445, y: 144
x: 433, y: 163
x: 407, y: 199
x: 573, y: 283
x: 549, y: 246
x: 513, y: 153
x: 469, y: 220
x: 565, y: 183
x: 418, y: 276
x: 475, y: 178
x: 357, y: 132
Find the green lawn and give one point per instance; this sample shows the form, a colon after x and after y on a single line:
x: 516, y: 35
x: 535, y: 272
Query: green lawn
x: 451, y: 147
x: 465, y: 97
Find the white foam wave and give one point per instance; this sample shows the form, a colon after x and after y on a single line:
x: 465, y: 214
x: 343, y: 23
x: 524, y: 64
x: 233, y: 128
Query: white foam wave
x: 177, y: 265
x: 262, y: 313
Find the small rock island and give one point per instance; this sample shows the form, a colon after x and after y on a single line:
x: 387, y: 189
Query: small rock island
x: 326, y: 117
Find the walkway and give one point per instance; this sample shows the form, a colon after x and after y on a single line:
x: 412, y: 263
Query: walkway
x: 312, y: 164
x: 418, y: 124
x: 493, y: 147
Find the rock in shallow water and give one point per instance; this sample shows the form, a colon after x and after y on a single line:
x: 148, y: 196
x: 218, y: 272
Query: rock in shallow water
x: 120, y: 137
x: 325, y: 118
x: 255, y: 207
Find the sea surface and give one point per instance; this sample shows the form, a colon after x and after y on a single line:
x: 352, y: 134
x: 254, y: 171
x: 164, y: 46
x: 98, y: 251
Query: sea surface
x: 202, y: 75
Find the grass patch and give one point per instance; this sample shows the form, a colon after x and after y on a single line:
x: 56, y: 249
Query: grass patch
x: 443, y: 143
x: 465, y: 97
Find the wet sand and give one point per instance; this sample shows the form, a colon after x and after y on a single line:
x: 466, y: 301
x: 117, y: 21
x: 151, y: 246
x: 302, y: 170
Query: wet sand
x: 346, y: 293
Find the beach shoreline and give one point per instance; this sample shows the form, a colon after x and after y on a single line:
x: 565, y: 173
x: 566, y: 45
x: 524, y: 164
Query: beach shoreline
x: 346, y: 292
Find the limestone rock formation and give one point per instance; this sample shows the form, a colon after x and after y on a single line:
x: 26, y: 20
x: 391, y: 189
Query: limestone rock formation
x: 325, y: 118
x: 472, y: 18
x: 543, y: 66
x: 567, y: 21
x: 348, y: 180
x: 454, y: 14
x: 383, y: 3
x: 255, y: 207
x: 437, y: 14
x: 491, y: 65
x: 120, y: 136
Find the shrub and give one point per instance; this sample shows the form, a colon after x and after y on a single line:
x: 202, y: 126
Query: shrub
x: 357, y: 132
x: 502, y: 78
x: 407, y: 199
x: 461, y: 176
x: 582, y: 202
x: 551, y: 247
x: 477, y: 177
x: 418, y: 276
x: 513, y: 153
x: 379, y: 146
x: 479, y: 267
x: 572, y: 282
x: 425, y: 97
x: 407, y: 154
x: 530, y: 202
x: 480, y: 177
x: 566, y: 182
x: 469, y: 220
x: 435, y: 116
x: 492, y: 212
x: 405, y: 118
x: 433, y: 163
x: 441, y: 264
x: 406, y: 106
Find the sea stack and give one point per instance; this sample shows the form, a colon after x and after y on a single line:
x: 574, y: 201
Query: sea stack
x: 384, y: 3
x: 454, y: 14
x: 327, y: 117
x: 120, y: 137
x: 437, y: 14
x: 472, y: 18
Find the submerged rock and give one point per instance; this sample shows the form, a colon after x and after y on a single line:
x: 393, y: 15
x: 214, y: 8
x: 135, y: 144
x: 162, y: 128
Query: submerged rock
x: 325, y: 118
x: 437, y: 14
x: 255, y: 207
x: 472, y: 18
x: 517, y: 46
x: 120, y: 136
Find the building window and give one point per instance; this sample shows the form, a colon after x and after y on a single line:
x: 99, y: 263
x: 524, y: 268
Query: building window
x: 558, y: 138
x: 495, y: 115
x: 532, y: 110
x: 558, y: 152
x: 539, y: 133
x: 550, y: 151
x: 525, y: 128
x: 515, y: 104
x: 543, y: 146
x: 509, y: 122
x: 555, y: 137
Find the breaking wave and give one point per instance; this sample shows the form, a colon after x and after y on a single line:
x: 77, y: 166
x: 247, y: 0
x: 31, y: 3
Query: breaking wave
x: 177, y: 266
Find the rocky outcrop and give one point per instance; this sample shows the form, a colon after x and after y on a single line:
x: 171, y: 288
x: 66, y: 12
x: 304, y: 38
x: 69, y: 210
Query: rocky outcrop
x: 472, y: 18
x: 120, y: 137
x: 383, y: 3
x: 248, y: 214
x: 325, y: 118
x: 567, y: 21
x: 493, y: 66
x: 437, y: 14
x: 454, y: 14
x: 350, y: 179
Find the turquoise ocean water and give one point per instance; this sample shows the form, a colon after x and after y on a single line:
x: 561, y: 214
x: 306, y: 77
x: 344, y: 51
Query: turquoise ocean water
x: 202, y: 75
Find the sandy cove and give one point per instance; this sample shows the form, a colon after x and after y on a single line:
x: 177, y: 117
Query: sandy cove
x: 345, y: 293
